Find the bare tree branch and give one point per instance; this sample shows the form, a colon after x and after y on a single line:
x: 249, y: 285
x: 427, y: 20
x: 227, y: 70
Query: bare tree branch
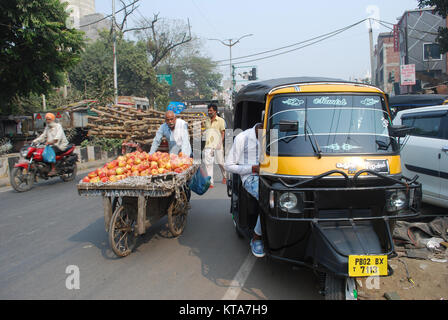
x: 160, y: 40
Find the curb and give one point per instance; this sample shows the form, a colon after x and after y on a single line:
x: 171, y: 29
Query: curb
x: 90, y: 157
x: 4, y: 182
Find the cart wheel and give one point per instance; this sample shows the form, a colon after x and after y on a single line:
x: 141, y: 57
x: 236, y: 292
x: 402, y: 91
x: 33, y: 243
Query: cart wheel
x: 122, y: 237
x: 177, y: 215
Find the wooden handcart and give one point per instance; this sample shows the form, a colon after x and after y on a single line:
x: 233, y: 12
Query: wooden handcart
x: 134, y: 204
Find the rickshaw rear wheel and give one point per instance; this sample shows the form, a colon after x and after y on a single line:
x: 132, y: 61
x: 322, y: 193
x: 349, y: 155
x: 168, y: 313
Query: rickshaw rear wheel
x: 237, y: 231
x: 339, y: 288
x: 177, y: 214
x: 122, y: 237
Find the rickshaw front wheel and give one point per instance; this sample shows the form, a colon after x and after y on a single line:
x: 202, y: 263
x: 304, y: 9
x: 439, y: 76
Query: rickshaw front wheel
x: 340, y: 288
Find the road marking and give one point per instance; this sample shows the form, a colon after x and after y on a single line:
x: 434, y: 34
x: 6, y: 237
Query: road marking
x: 240, y: 278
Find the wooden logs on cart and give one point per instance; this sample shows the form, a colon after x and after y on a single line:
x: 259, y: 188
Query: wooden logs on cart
x: 122, y: 122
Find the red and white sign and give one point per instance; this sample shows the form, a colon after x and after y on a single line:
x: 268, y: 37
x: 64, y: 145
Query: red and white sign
x: 407, y: 74
x: 396, y: 38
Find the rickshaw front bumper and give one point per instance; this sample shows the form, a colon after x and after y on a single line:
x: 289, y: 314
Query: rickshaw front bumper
x: 341, y: 229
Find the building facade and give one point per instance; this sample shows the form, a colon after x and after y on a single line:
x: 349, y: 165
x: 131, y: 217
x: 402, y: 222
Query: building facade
x: 387, y: 62
x: 417, y: 32
x: 84, y: 17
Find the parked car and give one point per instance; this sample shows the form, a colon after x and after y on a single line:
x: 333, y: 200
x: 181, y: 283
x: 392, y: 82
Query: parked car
x: 411, y: 101
x: 425, y: 151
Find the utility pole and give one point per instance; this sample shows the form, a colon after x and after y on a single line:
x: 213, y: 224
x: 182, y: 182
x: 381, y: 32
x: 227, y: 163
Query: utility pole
x: 114, y: 54
x: 230, y: 44
x: 372, y: 55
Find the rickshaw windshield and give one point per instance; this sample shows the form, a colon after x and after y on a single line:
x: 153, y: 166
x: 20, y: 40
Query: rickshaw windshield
x: 332, y: 124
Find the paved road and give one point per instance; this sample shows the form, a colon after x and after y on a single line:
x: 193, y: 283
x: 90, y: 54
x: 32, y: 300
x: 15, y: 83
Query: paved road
x: 46, y: 230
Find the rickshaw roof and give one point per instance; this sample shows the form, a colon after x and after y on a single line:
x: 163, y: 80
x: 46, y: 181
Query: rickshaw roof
x: 257, y: 91
x: 417, y: 100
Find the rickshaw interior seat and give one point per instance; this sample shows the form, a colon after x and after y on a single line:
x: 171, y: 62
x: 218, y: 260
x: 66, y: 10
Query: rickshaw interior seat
x: 248, y: 114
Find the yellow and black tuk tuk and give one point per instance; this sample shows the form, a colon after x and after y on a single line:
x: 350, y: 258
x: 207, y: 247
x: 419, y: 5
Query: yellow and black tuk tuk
x: 330, y: 182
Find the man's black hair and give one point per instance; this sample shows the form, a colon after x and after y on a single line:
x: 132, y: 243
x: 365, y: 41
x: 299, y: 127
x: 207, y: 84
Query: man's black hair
x: 213, y: 106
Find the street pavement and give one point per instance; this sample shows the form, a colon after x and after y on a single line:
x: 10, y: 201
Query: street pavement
x: 50, y: 233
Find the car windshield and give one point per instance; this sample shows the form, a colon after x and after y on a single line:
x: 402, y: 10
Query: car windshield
x: 332, y: 124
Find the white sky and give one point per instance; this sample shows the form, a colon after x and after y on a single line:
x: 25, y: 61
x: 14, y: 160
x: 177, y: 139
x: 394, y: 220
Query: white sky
x: 280, y: 23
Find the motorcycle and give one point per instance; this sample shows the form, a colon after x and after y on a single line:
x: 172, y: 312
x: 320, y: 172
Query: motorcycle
x: 27, y: 170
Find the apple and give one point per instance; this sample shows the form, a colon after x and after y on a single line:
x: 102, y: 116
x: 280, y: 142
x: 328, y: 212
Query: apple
x: 113, y: 178
x: 154, y: 165
x: 135, y: 173
x: 112, y: 164
x: 122, y: 163
x: 154, y: 172
x: 103, y: 174
x: 121, y: 158
x: 178, y: 170
x: 95, y: 180
x: 137, y: 161
x: 86, y: 179
x: 104, y: 179
x: 92, y: 174
x: 119, y: 171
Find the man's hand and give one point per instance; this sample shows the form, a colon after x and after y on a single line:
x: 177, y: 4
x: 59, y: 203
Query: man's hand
x: 256, y: 169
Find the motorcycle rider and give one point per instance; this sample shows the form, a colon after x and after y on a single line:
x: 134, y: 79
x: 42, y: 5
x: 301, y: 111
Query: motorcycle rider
x: 54, y: 136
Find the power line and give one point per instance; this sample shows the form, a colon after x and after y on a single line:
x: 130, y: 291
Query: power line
x: 110, y: 15
x: 390, y: 23
x: 321, y: 38
x: 294, y: 44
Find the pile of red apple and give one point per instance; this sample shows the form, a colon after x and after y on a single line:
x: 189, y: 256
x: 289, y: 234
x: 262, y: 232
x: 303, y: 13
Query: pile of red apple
x: 139, y: 164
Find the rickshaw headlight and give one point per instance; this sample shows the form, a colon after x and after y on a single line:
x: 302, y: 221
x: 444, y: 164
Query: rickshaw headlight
x: 396, y: 200
x: 287, y: 201
x: 24, y: 152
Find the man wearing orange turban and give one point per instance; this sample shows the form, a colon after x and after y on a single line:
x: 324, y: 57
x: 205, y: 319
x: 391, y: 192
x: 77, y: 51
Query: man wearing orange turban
x: 54, y: 136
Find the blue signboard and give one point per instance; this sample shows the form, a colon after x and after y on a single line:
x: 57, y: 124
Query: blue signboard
x: 176, y: 107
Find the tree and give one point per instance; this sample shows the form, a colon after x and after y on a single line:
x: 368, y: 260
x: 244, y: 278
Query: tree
x: 36, y: 48
x: 194, y: 77
x: 441, y: 8
x: 162, y: 38
x: 136, y: 77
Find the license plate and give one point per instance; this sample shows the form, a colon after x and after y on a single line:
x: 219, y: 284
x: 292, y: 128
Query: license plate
x: 366, y: 266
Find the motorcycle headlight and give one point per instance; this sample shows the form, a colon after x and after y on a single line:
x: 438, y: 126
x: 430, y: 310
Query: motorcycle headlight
x: 396, y: 200
x: 287, y: 201
x: 24, y: 152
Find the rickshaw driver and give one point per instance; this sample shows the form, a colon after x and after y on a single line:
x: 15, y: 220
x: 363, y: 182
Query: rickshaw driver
x: 176, y: 132
x: 244, y: 159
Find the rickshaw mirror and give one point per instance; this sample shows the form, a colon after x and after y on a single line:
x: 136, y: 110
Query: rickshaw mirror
x: 400, y: 131
x: 288, y: 126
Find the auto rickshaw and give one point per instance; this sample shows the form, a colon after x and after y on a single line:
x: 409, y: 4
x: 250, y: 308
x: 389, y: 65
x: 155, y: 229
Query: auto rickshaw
x: 330, y: 183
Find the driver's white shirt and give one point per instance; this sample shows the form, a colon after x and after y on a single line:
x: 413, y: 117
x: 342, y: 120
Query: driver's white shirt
x: 244, y: 154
